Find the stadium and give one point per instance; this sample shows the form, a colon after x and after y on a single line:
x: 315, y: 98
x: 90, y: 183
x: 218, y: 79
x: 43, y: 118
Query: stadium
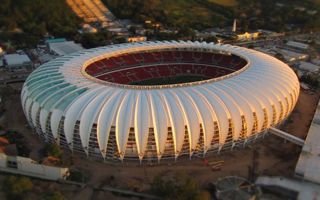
x: 155, y: 101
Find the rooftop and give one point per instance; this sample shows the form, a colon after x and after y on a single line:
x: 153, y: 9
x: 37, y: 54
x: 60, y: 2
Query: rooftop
x: 291, y: 55
x: 305, y: 190
x: 54, y: 40
x: 16, y: 59
x: 64, y: 47
x: 298, y: 45
x: 308, y: 66
x: 308, y: 165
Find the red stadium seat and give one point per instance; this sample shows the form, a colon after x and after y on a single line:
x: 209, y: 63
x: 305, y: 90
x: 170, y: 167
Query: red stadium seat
x: 165, y: 64
x: 149, y: 58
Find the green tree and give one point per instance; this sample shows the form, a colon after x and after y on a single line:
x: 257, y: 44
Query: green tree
x: 311, y: 79
x: 91, y: 40
x: 53, y: 150
x: 54, y: 196
x: 213, y: 39
x: 186, y: 32
x: 178, y: 187
x: 35, y: 18
x: 132, y: 30
x: 16, y: 187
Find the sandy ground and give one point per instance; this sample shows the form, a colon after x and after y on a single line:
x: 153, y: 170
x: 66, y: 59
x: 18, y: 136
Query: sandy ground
x: 275, y: 157
x: 302, y: 115
x: 14, y: 119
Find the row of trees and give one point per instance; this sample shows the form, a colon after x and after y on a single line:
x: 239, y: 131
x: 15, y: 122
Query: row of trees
x: 25, y: 22
x: 19, y: 188
x: 38, y: 17
x: 275, y: 15
x: 199, y: 14
x: 178, y: 187
x: 311, y: 79
x: 177, y: 14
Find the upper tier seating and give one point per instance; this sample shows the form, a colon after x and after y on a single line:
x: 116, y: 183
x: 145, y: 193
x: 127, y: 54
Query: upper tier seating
x: 128, y: 76
x: 146, y: 65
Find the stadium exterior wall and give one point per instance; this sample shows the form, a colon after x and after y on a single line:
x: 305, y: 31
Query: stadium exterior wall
x: 127, y: 122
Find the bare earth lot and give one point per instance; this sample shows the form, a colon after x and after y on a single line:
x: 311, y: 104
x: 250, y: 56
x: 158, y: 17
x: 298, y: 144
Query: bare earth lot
x: 274, y: 157
x: 302, y: 114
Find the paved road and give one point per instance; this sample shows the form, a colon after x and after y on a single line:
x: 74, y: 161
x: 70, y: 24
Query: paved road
x: 11, y: 81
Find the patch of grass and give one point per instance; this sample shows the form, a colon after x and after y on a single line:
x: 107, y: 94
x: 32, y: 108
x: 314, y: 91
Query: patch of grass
x: 78, y: 175
x: 186, y: 13
x: 53, y: 150
x: 197, y: 14
x: 224, y: 2
x: 203, y: 14
x: 16, y: 187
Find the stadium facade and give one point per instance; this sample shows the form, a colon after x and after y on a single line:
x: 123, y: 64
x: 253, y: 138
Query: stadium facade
x: 115, y: 103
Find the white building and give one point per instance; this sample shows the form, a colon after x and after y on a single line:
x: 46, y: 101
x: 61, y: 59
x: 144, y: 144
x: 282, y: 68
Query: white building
x: 27, y: 167
x: 309, y: 67
x: 308, y: 166
x: 292, y: 56
x: 137, y: 39
x: 17, y: 62
x: 64, y: 48
x: 297, y: 45
x: 248, y: 36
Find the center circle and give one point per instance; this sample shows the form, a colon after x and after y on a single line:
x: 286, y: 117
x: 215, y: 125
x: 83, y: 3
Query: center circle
x: 165, y: 67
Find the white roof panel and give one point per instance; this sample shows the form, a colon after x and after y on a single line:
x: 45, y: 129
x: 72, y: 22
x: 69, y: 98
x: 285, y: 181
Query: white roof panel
x: 63, y: 88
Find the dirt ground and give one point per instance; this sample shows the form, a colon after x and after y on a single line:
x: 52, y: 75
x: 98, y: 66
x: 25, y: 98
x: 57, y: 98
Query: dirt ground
x: 14, y: 119
x: 301, y: 117
x: 274, y: 157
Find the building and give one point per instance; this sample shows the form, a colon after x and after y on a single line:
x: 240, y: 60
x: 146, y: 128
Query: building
x: 87, y: 28
x: 270, y: 34
x: 62, y: 48
x: 308, y: 67
x: 118, y: 31
x: 17, y: 62
x: 306, y: 184
x: 28, y: 167
x: 248, y: 36
x: 284, y: 54
x: 153, y: 101
x: 292, y: 56
x: 288, y: 188
x: 297, y: 45
x: 54, y: 40
x: 308, y: 166
x: 137, y: 39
